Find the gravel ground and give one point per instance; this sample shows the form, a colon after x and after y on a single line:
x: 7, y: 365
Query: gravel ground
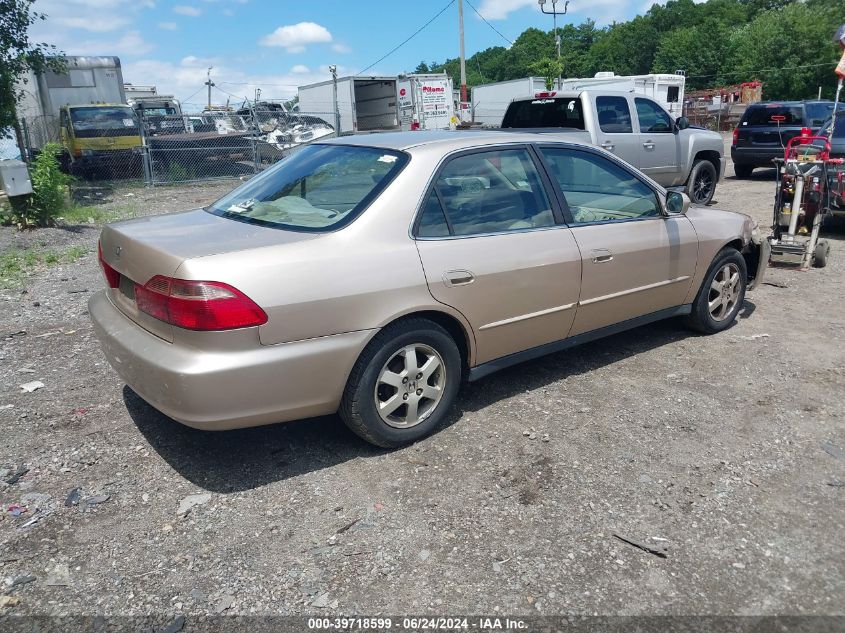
x: 728, y: 450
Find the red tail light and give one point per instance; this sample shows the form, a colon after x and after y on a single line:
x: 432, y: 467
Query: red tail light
x: 736, y: 135
x: 111, y: 275
x: 198, y: 305
x: 545, y: 95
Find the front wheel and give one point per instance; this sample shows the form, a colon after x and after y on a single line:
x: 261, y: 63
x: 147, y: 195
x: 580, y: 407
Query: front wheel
x: 701, y: 185
x: 721, y: 295
x: 403, y: 384
x: 820, y: 254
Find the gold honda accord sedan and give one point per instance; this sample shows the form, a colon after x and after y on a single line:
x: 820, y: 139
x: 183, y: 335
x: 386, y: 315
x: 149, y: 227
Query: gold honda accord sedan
x: 369, y: 275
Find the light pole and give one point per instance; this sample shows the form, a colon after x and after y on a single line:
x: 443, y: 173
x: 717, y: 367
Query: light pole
x: 554, y: 13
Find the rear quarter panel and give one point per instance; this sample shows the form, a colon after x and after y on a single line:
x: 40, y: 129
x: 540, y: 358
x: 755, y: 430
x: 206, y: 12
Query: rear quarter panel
x: 360, y: 277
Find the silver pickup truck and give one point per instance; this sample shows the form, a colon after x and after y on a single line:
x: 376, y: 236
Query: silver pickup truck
x: 633, y: 127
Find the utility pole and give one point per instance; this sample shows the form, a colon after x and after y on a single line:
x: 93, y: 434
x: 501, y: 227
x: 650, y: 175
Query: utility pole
x: 554, y: 13
x: 209, y: 83
x: 463, y: 60
x: 333, y: 71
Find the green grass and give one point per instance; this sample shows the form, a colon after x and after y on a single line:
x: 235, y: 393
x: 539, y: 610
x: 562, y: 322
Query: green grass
x: 16, y: 266
x: 97, y: 215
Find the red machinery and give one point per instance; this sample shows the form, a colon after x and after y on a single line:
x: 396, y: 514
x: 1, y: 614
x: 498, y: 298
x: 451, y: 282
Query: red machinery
x: 808, y: 182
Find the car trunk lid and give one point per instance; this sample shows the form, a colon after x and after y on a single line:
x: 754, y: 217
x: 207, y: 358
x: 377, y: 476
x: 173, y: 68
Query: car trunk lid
x: 142, y: 248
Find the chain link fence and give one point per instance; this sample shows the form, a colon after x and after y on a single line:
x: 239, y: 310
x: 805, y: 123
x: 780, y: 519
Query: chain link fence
x: 111, y: 143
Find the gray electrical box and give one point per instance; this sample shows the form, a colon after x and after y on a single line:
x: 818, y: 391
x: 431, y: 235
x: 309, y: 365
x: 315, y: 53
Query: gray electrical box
x: 14, y: 178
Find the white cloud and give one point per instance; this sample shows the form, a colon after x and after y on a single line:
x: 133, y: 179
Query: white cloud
x: 95, y: 16
x: 184, y: 9
x: 602, y: 11
x: 130, y: 43
x: 295, y: 37
x: 300, y: 69
x: 341, y: 48
x: 499, y: 9
x: 167, y: 26
x: 185, y: 80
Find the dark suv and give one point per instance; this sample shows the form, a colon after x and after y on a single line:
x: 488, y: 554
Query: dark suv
x: 766, y: 128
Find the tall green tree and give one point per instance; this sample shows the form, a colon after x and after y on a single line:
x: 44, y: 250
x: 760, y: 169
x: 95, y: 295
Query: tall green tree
x: 789, y: 50
x: 700, y: 51
x: 18, y: 55
x: 626, y: 48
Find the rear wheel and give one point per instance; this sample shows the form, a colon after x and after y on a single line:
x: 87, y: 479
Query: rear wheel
x: 403, y: 384
x: 702, y: 182
x: 721, y: 294
x: 743, y: 171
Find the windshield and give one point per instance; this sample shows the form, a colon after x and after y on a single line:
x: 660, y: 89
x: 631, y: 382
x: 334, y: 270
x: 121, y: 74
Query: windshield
x: 543, y: 113
x: 104, y: 118
x: 318, y: 188
x: 158, y: 111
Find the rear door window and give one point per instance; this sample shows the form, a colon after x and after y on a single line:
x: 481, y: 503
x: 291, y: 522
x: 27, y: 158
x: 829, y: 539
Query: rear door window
x: 486, y: 192
x: 614, y: 115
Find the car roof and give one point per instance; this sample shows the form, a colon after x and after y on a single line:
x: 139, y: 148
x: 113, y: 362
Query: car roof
x: 446, y: 140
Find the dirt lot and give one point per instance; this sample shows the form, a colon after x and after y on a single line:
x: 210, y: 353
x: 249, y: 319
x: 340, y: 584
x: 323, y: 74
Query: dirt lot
x: 728, y: 450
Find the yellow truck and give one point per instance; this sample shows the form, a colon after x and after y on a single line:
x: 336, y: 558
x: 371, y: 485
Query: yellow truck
x: 100, y: 139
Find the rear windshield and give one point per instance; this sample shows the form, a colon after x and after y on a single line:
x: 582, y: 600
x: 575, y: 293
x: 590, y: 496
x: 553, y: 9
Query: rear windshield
x: 771, y: 115
x: 318, y: 188
x: 543, y: 113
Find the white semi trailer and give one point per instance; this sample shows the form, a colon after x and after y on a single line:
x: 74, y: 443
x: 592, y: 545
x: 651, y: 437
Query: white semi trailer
x: 489, y: 101
x: 364, y: 104
x: 426, y: 101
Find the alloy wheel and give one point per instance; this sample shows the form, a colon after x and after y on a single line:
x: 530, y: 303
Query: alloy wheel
x: 724, y: 292
x: 410, y: 385
x: 702, y: 186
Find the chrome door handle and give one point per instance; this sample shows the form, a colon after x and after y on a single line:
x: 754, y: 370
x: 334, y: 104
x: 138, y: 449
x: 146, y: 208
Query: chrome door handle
x: 648, y: 145
x: 458, y: 277
x: 608, y: 146
x: 601, y: 255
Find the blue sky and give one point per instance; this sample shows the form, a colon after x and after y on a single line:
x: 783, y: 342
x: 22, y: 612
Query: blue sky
x: 278, y: 45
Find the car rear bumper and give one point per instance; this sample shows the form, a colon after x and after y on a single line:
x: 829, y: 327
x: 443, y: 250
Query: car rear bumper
x: 755, y: 156
x: 226, y: 389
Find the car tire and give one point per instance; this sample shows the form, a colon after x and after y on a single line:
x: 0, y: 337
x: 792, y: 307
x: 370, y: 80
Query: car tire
x: 701, y: 185
x: 743, y: 171
x: 820, y: 254
x: 382, y: 374
x: 720, y: 297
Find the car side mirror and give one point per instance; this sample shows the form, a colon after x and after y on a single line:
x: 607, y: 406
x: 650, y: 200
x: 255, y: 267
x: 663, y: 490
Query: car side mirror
x: 677, y: 203
x: 682, y: 122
